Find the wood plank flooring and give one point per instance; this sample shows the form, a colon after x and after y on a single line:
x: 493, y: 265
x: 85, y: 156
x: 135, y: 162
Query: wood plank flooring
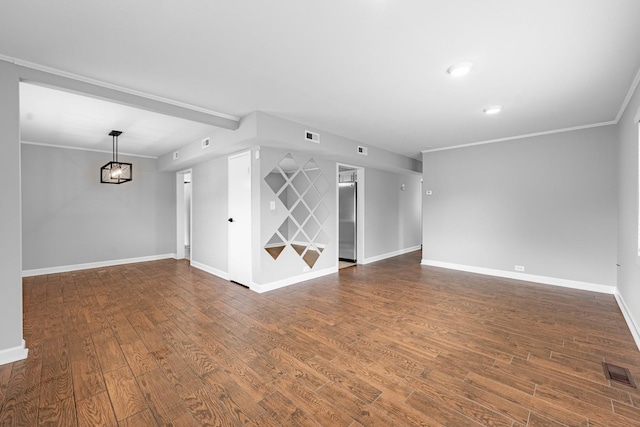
x: 387, y: 344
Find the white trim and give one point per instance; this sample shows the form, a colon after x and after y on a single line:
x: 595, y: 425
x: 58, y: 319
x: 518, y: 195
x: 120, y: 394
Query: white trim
x: 528, y: 135
x: 84, y: 79
x: 14, y: 354
x: 240, y: 154
x: 360, y: 209
x: 573, y: 284
x: 84, y: 149
x: 631, y: 323
x: 275, y: 245
x: 218, y: 273
x: 630, y: 93
x: 89, y: 265
x: 249, y: 253
x: 292, y: 280
x: 390, y: 254
x: 181, y: 219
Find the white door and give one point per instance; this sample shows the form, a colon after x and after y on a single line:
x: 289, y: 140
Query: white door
x: 240, y: 218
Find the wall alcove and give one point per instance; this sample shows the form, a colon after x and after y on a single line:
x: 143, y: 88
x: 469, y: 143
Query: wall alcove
x: 300, y: 189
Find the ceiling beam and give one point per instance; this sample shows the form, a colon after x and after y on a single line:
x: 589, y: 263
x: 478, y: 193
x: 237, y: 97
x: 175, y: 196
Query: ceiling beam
x: 35, y: 74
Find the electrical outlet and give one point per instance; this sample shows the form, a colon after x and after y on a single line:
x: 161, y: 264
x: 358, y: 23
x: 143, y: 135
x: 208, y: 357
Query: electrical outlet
x: 176, y: 155
x: 206, y: 143
x: 519, y: 267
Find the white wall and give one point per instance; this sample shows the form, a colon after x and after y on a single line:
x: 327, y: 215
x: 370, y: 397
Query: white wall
x: 392, y: 215
x: 71, y: 218
x: 187, y: 214
x: 547, y: 203
x: 11, y: 345
x: 209, y: 216
x: 629, y: 270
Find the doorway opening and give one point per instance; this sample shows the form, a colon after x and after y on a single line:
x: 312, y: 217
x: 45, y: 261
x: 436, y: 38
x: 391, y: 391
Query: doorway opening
x: 350, y: 215
x: 184, y: 202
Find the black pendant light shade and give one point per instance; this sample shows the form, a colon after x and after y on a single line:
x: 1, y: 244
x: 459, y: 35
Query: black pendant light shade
x: 116, y: 172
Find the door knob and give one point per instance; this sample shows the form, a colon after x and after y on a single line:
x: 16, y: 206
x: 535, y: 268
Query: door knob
x: 230, y: 219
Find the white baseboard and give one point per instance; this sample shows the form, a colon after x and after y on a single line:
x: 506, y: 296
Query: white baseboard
x: 574, y: 284
x: 14, y: 354
x: 390, y: 254
x: 219, y: 273
x: 631, y: 323
x: 89, y: 265
x: 260, y: 288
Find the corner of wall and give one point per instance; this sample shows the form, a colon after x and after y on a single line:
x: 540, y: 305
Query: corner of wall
x: 219, y: 273
x: 265, y: 287
x: 634, y: 328
x: 14, y: 354
x: 553, y: 281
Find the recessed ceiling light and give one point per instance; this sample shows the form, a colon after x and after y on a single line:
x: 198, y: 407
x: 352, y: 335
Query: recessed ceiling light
x: 460, y: 69
x: 494, y: 109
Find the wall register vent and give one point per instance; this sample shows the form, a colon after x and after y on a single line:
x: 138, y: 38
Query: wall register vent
x: 618, y: 374
x: 312, y: 136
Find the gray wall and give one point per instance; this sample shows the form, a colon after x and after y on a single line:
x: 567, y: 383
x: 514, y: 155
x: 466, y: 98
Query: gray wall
x: 259, y: 128
x: 70, y: 218
x: 629, y: 270
x: 289, y: 135
x: 547, y: 203
x: 209, y: 214
x: 10, y: 253
x: 392, y: 216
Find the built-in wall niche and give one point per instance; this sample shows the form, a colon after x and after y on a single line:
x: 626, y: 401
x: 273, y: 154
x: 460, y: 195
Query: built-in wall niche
x: 300, y: 189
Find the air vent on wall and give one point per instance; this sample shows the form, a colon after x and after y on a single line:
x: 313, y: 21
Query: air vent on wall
x: 206, y: 143
x: 362, y: 150
x: 312, y: 136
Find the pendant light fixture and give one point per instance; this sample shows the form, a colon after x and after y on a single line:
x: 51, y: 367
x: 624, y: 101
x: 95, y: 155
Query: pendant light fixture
x: 115, y: 172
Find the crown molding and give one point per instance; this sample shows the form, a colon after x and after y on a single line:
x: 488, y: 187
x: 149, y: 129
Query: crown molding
x: 623, y: 107
x: 41, y: 144
x: 528, y: 135
x: 630, y: 92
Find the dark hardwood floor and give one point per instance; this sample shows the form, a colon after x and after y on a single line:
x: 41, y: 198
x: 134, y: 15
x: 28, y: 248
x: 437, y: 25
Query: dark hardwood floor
x: 391, y: 343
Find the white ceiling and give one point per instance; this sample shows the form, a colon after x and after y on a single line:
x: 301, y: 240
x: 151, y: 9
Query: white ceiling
x: 55, y: 117
x: 370, y: 70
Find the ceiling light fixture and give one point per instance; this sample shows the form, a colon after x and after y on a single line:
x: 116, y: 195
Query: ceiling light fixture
x: 495, y: 109
x: 460, y: 69
x: 115, y: 172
